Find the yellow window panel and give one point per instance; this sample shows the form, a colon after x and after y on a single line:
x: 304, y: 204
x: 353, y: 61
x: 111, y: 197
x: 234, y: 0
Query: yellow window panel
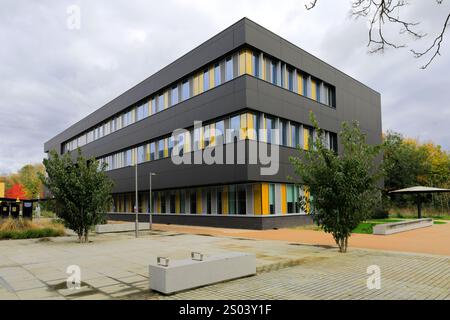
x: 305, y: 139
x: 248, y: 62
x: 166, y: 148
x: 265, y: 198
x: 283, y: 199
x: 166, y: 99
x: 199, y: 201
x: 313, y: 90
x: 250, y: 127
x: 263, y: 71
x: 212, y: 134
x: 243, y: 131
x: 200, y: 82
x: 225, y: 200
x: 242, y: 55
x: 187, y: 142
x: 211, y: 77
x: 195, y: 85
x: 299, y: 83
x: 147, y: 152
x: 307, y: 199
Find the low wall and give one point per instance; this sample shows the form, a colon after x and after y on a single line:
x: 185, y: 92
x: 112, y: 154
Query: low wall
x: 120, y: 227
x: 220, y: 221
x: 395, y: 227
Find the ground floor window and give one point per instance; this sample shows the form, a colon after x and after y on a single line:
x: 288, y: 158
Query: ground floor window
x: 271, y: 198
x: 193, y: 201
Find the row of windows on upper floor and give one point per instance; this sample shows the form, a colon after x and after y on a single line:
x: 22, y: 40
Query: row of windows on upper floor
x: 245, y: 61
x: 242, y: 126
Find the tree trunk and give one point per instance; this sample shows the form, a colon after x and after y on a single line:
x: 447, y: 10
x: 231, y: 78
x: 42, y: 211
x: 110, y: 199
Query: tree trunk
x: 86, y: 236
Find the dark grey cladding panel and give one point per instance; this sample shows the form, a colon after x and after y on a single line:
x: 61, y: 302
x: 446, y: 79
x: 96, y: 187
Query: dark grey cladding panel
x: 227, y: 98
x: 272, y: 44
x: 171, y: 176
x: 265, y: 97
x: 225, y: 41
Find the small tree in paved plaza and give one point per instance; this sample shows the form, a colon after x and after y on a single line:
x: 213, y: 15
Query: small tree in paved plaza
x: 81, y: 189
x: 343, y: 187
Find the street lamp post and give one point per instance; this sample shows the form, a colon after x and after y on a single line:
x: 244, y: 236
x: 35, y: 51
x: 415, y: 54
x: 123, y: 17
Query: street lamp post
x: 136, y: 206
x: 150, y: 205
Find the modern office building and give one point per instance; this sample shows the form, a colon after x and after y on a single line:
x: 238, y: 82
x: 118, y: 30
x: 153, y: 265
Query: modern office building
x: 246, y: 80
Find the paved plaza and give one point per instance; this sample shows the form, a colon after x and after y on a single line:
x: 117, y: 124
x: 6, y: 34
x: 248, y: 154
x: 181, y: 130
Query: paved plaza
x: 115, y: 266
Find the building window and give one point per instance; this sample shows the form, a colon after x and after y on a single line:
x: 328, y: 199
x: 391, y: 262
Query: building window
x: 127, y: 158
x: 217, y: 74
x: 185, y: 90
x: 193, y: 201
x: 283, y: 133
x: 273, y: 67
x: 170, y: 145
x: 174, y: 95
x: 163, y: 202
x: 208, y: 201
x: 161, y: 149
x: 290, y: 80
x: 241, y: 200
x: 140, y: 113
x: 219, y: 201
x: 140, y: 154
x: 172, y: 202
x: 294, y: 135
x: 272, y: 198
x: 333, y: 142
x: 229, y: 69
x: 152, y: 151
x: 160, y: 103
x: 318, y: 91
x: 205, y: 80
x: 291, y: 199
x: 305, y: 86
x: 154, y: 109
x: 270, y: 125
x: 235, y: 126
x: 182, y: 202
x: 219, y: 132
x: 255, y: 64
x: 232, y: 199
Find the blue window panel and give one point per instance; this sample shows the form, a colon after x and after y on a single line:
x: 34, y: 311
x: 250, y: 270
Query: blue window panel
x: 174, y: 96
x: 206, y: 80
x: 273, y: 67
x: 217, y: 74
x: 140, y: 154
x: 229, y: 69
x: 160, y: 102
x: 305, y: 86
x: 255, y: 62
x: 185, y: 90
x: 161, y: 149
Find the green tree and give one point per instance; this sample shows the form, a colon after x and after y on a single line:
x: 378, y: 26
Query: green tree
x: 28, y: 175
x: 81, y: 189
x: 344, y: 187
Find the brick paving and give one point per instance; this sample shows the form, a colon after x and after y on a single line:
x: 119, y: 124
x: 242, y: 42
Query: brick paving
x: 115, y: 266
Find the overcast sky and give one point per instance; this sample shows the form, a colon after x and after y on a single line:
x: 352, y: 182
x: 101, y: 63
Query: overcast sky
x: 52, y: 76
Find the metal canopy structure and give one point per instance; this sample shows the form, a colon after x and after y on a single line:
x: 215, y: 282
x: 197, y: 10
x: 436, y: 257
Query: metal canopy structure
x: 418, y: 190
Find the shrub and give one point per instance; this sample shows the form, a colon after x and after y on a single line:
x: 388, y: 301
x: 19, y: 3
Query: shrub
x: 27, y: 229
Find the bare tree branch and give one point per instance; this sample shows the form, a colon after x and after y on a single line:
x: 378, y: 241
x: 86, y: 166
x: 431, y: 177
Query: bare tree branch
x: 382, y: 13
x: 436, y: 43
x: 311, y: 5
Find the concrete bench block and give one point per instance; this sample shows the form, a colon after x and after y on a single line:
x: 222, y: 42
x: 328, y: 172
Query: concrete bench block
x: 395, y: 227
x: 120, y: 227
x: 181, y: 275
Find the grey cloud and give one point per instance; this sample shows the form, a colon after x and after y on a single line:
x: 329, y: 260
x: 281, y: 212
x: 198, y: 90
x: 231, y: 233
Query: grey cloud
x: 51, y: 77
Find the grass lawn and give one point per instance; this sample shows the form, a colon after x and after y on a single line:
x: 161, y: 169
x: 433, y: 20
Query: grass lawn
x: 366, y: 227
x: 26, y: 229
